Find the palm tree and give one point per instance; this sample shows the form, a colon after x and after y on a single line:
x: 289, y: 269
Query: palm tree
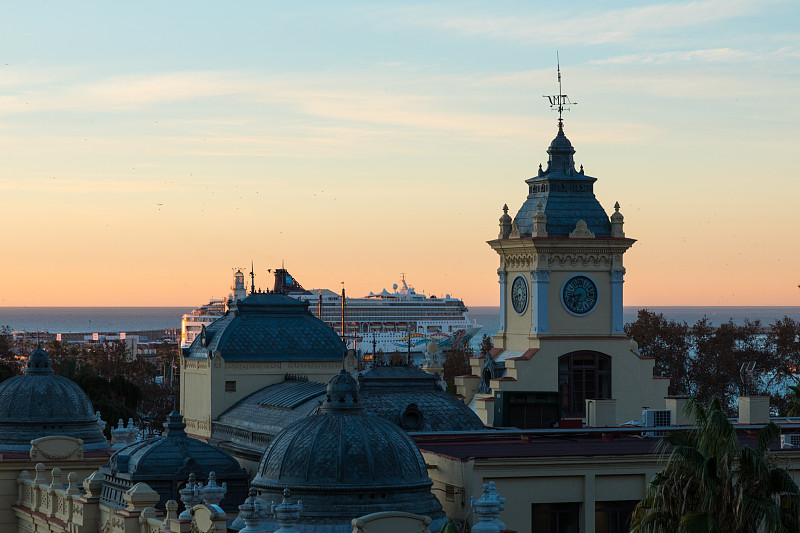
x: 712, y: 483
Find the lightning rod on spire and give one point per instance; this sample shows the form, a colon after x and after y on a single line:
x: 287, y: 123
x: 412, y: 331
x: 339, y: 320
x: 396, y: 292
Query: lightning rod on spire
x: 559, y: 102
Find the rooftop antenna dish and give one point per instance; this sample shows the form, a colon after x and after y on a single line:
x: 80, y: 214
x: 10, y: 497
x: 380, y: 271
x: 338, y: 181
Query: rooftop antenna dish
x: 559, y: 102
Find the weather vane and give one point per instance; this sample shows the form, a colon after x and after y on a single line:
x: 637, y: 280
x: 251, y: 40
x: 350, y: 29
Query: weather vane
x: 560, y: 101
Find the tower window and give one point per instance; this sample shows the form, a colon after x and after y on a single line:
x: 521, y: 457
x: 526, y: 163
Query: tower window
x: 582, y: 376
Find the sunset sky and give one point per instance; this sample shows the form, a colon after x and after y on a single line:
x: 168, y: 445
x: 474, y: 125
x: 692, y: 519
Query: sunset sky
x: 148, y: 148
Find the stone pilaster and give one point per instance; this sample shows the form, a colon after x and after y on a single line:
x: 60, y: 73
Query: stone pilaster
x: 540, y: 281
x: 617, y: 279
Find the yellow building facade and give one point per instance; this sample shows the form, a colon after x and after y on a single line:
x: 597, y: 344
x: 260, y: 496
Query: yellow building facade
x: 561, y: 339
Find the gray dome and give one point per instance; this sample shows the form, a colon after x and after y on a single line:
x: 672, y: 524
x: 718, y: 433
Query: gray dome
x: 41, y: 404
x: 343, y: 463
x: 165, y: 462
x: 566, y: 195
x: 269, y: 327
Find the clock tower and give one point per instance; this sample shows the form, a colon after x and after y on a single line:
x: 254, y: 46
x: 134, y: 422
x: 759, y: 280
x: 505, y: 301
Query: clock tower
x: 561, y: 340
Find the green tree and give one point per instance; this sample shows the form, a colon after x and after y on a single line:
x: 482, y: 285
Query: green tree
x: 456, y: 362
x: 8, y: 363
x: 6, y: 344
x: 711, y: 483
x: 668, y: 342
x: 115, y: 398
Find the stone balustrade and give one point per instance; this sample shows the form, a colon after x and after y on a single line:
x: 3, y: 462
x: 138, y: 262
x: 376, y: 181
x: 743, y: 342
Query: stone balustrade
x: 46, y: 503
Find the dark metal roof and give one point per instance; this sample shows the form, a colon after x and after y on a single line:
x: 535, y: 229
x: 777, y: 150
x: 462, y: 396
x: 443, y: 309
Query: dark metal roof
x: 291, y: 397
x: 328, y: 457
x: 579, y: 446
x: 566, y: 195
x: 269, y: 327
x: 40, y: 403
x: 393, y: 392
x: 165, y: 462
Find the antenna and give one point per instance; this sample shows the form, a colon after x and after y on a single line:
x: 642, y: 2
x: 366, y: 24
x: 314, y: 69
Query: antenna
x: 559, y: 102
x: 252, y: 279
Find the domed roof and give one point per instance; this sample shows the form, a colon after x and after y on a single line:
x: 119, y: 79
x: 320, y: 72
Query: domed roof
x: 560, y: 144
x: 566, y: 194
x: 165, y: 462
x: 40, y: 403
x: 344, y: 463
x: 269, y: 327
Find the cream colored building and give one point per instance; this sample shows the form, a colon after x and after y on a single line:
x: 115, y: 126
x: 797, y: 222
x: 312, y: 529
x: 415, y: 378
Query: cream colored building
x: 587, y: 479
x: 561, y: 338
x: 258, y: 342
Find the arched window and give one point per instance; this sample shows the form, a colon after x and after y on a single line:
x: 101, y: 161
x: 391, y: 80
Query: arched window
x: 582, y: 376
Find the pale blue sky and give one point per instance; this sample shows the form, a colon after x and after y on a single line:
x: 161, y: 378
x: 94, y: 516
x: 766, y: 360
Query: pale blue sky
x: 160, y: 144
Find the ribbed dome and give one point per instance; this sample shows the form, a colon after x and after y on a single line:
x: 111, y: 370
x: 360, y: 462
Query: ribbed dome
x: 40, y: 404
x: 269, y: 327
x: 343, y: 463
x: 165, y: 462
x: 342, y: 451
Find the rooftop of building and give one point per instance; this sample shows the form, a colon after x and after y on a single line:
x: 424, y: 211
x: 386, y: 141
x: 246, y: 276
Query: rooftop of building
x: 268, y: 327
x: 565, y: 193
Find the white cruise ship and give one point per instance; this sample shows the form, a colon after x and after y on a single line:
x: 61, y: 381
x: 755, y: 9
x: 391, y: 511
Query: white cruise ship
x: 386, y: 321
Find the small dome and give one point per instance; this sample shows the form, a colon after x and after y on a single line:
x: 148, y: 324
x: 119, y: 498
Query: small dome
x: 560, y: 143
x: 41, y: 404
x: 343, y: 463
x: 165, y: 462
x: 38, y: 362
x: 341, y: 394
x: 269, y: 327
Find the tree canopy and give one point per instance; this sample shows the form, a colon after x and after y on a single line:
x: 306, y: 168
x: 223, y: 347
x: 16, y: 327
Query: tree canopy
x: 712, y: 483
x: 705, y: 362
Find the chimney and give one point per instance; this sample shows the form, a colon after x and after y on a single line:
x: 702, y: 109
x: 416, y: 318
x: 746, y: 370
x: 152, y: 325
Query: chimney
x: 754, y: 410
x: 601, y: 413
x: 677, y: 405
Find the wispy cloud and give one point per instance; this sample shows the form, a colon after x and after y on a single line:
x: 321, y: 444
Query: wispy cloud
x: 711, y: 55
x: 587, y: 27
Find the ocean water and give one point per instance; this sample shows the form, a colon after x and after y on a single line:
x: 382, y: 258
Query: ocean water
x: 489, y: 317
x: 91, y: 319
x: 119, y: 319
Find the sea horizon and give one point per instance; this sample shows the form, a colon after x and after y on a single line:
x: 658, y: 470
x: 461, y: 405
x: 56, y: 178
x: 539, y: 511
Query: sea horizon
x: 115, y: 319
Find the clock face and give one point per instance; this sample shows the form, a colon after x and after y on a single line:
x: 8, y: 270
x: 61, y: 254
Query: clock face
x: 519, y: 294
x: 579, y: 295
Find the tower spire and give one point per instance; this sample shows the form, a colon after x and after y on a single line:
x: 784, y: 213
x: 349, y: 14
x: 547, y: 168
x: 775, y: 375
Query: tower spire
x: 252, y: 279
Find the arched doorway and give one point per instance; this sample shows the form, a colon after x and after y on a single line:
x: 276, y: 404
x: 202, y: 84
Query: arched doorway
x: 582, y: 375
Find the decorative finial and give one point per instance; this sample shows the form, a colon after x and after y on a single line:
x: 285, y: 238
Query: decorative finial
x: 581, y: 169
x: 617, y: 221
x: 505, y: 209
x: 560, y: 101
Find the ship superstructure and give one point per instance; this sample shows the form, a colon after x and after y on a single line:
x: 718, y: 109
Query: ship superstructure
x: 386, y: 321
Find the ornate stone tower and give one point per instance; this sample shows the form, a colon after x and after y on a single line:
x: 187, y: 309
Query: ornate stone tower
x: 561, y: 340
